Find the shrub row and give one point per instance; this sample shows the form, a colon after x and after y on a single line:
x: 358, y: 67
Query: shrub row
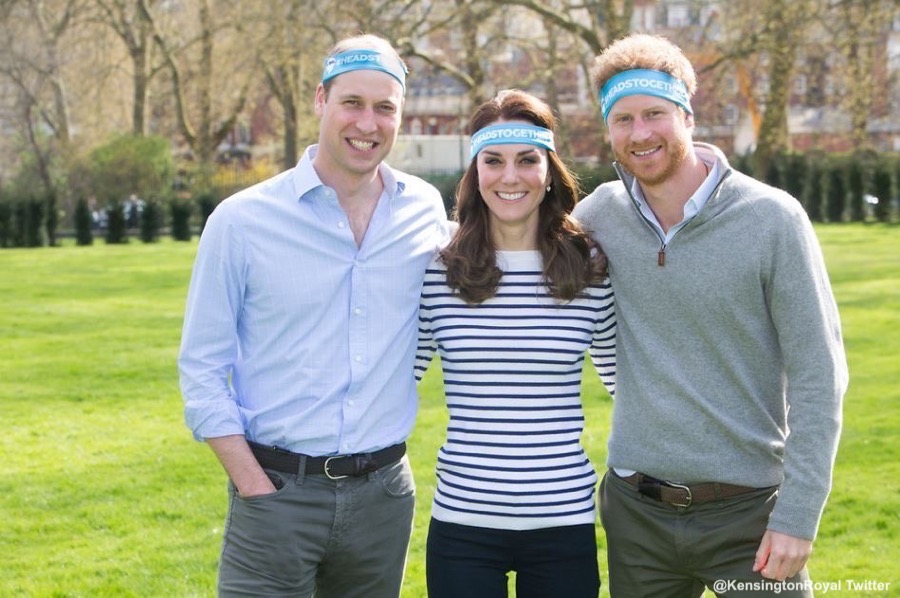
x: 850, y: 187
x: 28, y: 222
x: 853, y: 187
x: 831, y: 187
x: 32, y: 221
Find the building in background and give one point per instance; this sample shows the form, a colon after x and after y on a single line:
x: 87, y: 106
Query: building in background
x: 728, y: 104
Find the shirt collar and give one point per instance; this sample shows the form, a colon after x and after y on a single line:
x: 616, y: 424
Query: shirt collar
x: 696, y: 202
x: 306, y: 178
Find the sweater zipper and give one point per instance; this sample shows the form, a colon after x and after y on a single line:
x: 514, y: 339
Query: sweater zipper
x: 661, y: 254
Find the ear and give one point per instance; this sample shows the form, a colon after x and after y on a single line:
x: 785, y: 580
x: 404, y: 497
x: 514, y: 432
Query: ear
x: 688, y: 120
x: 320, y: 100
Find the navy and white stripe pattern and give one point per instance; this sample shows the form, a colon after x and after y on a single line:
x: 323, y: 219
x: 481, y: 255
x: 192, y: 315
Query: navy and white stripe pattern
x: 512, y: 370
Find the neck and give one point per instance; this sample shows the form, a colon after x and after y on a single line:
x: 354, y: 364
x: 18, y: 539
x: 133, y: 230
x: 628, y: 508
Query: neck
x: 518, y: 238
x: 350, y: 186
x: 668, y: 198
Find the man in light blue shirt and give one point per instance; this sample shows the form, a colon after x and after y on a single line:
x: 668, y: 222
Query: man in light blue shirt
x: 299, y: 341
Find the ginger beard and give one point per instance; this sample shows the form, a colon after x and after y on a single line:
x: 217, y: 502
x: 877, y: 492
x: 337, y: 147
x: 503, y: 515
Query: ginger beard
x: 658, y: 166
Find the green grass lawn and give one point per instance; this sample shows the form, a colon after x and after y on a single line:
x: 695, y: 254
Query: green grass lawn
x: 105, y: 493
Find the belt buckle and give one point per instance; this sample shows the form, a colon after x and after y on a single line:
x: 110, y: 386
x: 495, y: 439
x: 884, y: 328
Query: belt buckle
x: 328, y: 473
x: 688, y: 499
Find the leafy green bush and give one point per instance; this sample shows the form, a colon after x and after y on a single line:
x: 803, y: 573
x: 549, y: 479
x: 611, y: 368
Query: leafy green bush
x: 836, y: 193
x: 794, y: 171
x: 126, y: 165
x: 882, y: 189
x: 151, y: 221
x: 32, y: 225
x: 812, y: 191
x: 51, y: 222
x: 116, y: 226
x: 773, y: 172
x: 181, y: 219
x: 84, y: 222
x: 446, y: 184
x: 589, y: 178
x: 206, y: 202
x: 6, y: 233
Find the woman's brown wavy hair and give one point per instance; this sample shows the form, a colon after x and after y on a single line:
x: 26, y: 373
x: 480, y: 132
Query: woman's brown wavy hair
x: 572, y: 260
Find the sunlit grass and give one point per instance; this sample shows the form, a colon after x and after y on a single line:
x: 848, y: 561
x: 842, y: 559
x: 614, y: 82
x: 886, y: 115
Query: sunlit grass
x: 105, y: 493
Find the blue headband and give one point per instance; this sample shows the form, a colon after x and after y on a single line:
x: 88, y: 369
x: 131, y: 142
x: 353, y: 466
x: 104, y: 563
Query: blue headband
x: 373, y: 60
x: 512, y: 133
x: 644, y: 82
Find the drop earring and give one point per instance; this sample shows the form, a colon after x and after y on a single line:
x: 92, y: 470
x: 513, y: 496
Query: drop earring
x: 548, y: 188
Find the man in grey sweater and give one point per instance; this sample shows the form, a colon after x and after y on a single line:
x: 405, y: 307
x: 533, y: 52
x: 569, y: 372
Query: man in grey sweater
x: 731, y: 369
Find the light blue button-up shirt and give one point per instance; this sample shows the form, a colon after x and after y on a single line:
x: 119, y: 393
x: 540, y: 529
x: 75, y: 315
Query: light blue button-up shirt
x: 293, y: 335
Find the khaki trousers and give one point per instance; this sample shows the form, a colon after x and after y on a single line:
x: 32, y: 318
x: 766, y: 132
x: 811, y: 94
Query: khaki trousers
x: 661, y: 551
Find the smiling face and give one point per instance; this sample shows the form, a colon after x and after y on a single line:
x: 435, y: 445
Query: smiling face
x: 650, y: 137
x: 512, y: 181
x: 359, y: 122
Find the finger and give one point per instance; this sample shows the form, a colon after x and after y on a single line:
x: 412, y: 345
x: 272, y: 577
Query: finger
x: 762, y: 554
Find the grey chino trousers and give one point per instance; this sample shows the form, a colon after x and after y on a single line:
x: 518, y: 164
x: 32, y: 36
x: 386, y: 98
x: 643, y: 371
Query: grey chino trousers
x: 316, y: 536
x: 655, y: 550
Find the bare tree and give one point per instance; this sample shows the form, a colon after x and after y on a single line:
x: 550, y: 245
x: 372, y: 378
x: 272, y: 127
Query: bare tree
x: 783, y: 31
x: 208, y: 100
x: 856, y: 28
x: 593, y: 24
x: 607, y: 20
x: 32, y: 63
x: 289, y: 54
x: 126, y: 19
x: 760, y: 45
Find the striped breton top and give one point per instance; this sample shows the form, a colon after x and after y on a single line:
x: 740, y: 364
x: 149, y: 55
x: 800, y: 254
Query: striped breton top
x: 512, y: 370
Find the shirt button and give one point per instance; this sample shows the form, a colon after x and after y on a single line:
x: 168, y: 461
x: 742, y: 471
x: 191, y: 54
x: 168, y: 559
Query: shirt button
x: 341, y: 225
x: 358, y: 358
x: 351, y: 402
x: 357, y: 311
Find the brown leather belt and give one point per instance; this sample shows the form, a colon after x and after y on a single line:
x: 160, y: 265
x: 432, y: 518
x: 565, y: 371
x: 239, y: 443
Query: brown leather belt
x: 683, y: 495
x: 336, y: 467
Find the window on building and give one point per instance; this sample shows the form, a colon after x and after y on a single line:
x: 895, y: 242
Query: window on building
x: 643, y: 18
x: 800, y: 85
x: 678, y: 15
x: 707, y: 13
x: 730, y: 114
x: 730, y: 84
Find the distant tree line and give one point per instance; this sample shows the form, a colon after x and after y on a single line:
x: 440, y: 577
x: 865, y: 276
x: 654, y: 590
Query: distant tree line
x: 217, y: 77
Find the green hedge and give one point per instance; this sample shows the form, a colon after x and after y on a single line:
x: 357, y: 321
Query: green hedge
x: 831, y: 187
x: 837, y: 187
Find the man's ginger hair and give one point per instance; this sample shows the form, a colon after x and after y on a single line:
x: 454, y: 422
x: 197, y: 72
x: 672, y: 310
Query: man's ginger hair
x: 643, y: 51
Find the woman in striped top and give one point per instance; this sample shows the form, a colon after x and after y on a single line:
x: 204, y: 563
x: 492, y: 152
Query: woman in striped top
x: 511, y: 305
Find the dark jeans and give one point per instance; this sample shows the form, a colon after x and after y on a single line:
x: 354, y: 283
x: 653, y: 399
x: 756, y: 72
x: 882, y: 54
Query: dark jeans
x: 472, y: 562
x: 335, y: 538
x: 655, y: 550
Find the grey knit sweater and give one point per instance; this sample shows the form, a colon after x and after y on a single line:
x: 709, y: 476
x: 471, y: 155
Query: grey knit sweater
x: 731, y: 366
